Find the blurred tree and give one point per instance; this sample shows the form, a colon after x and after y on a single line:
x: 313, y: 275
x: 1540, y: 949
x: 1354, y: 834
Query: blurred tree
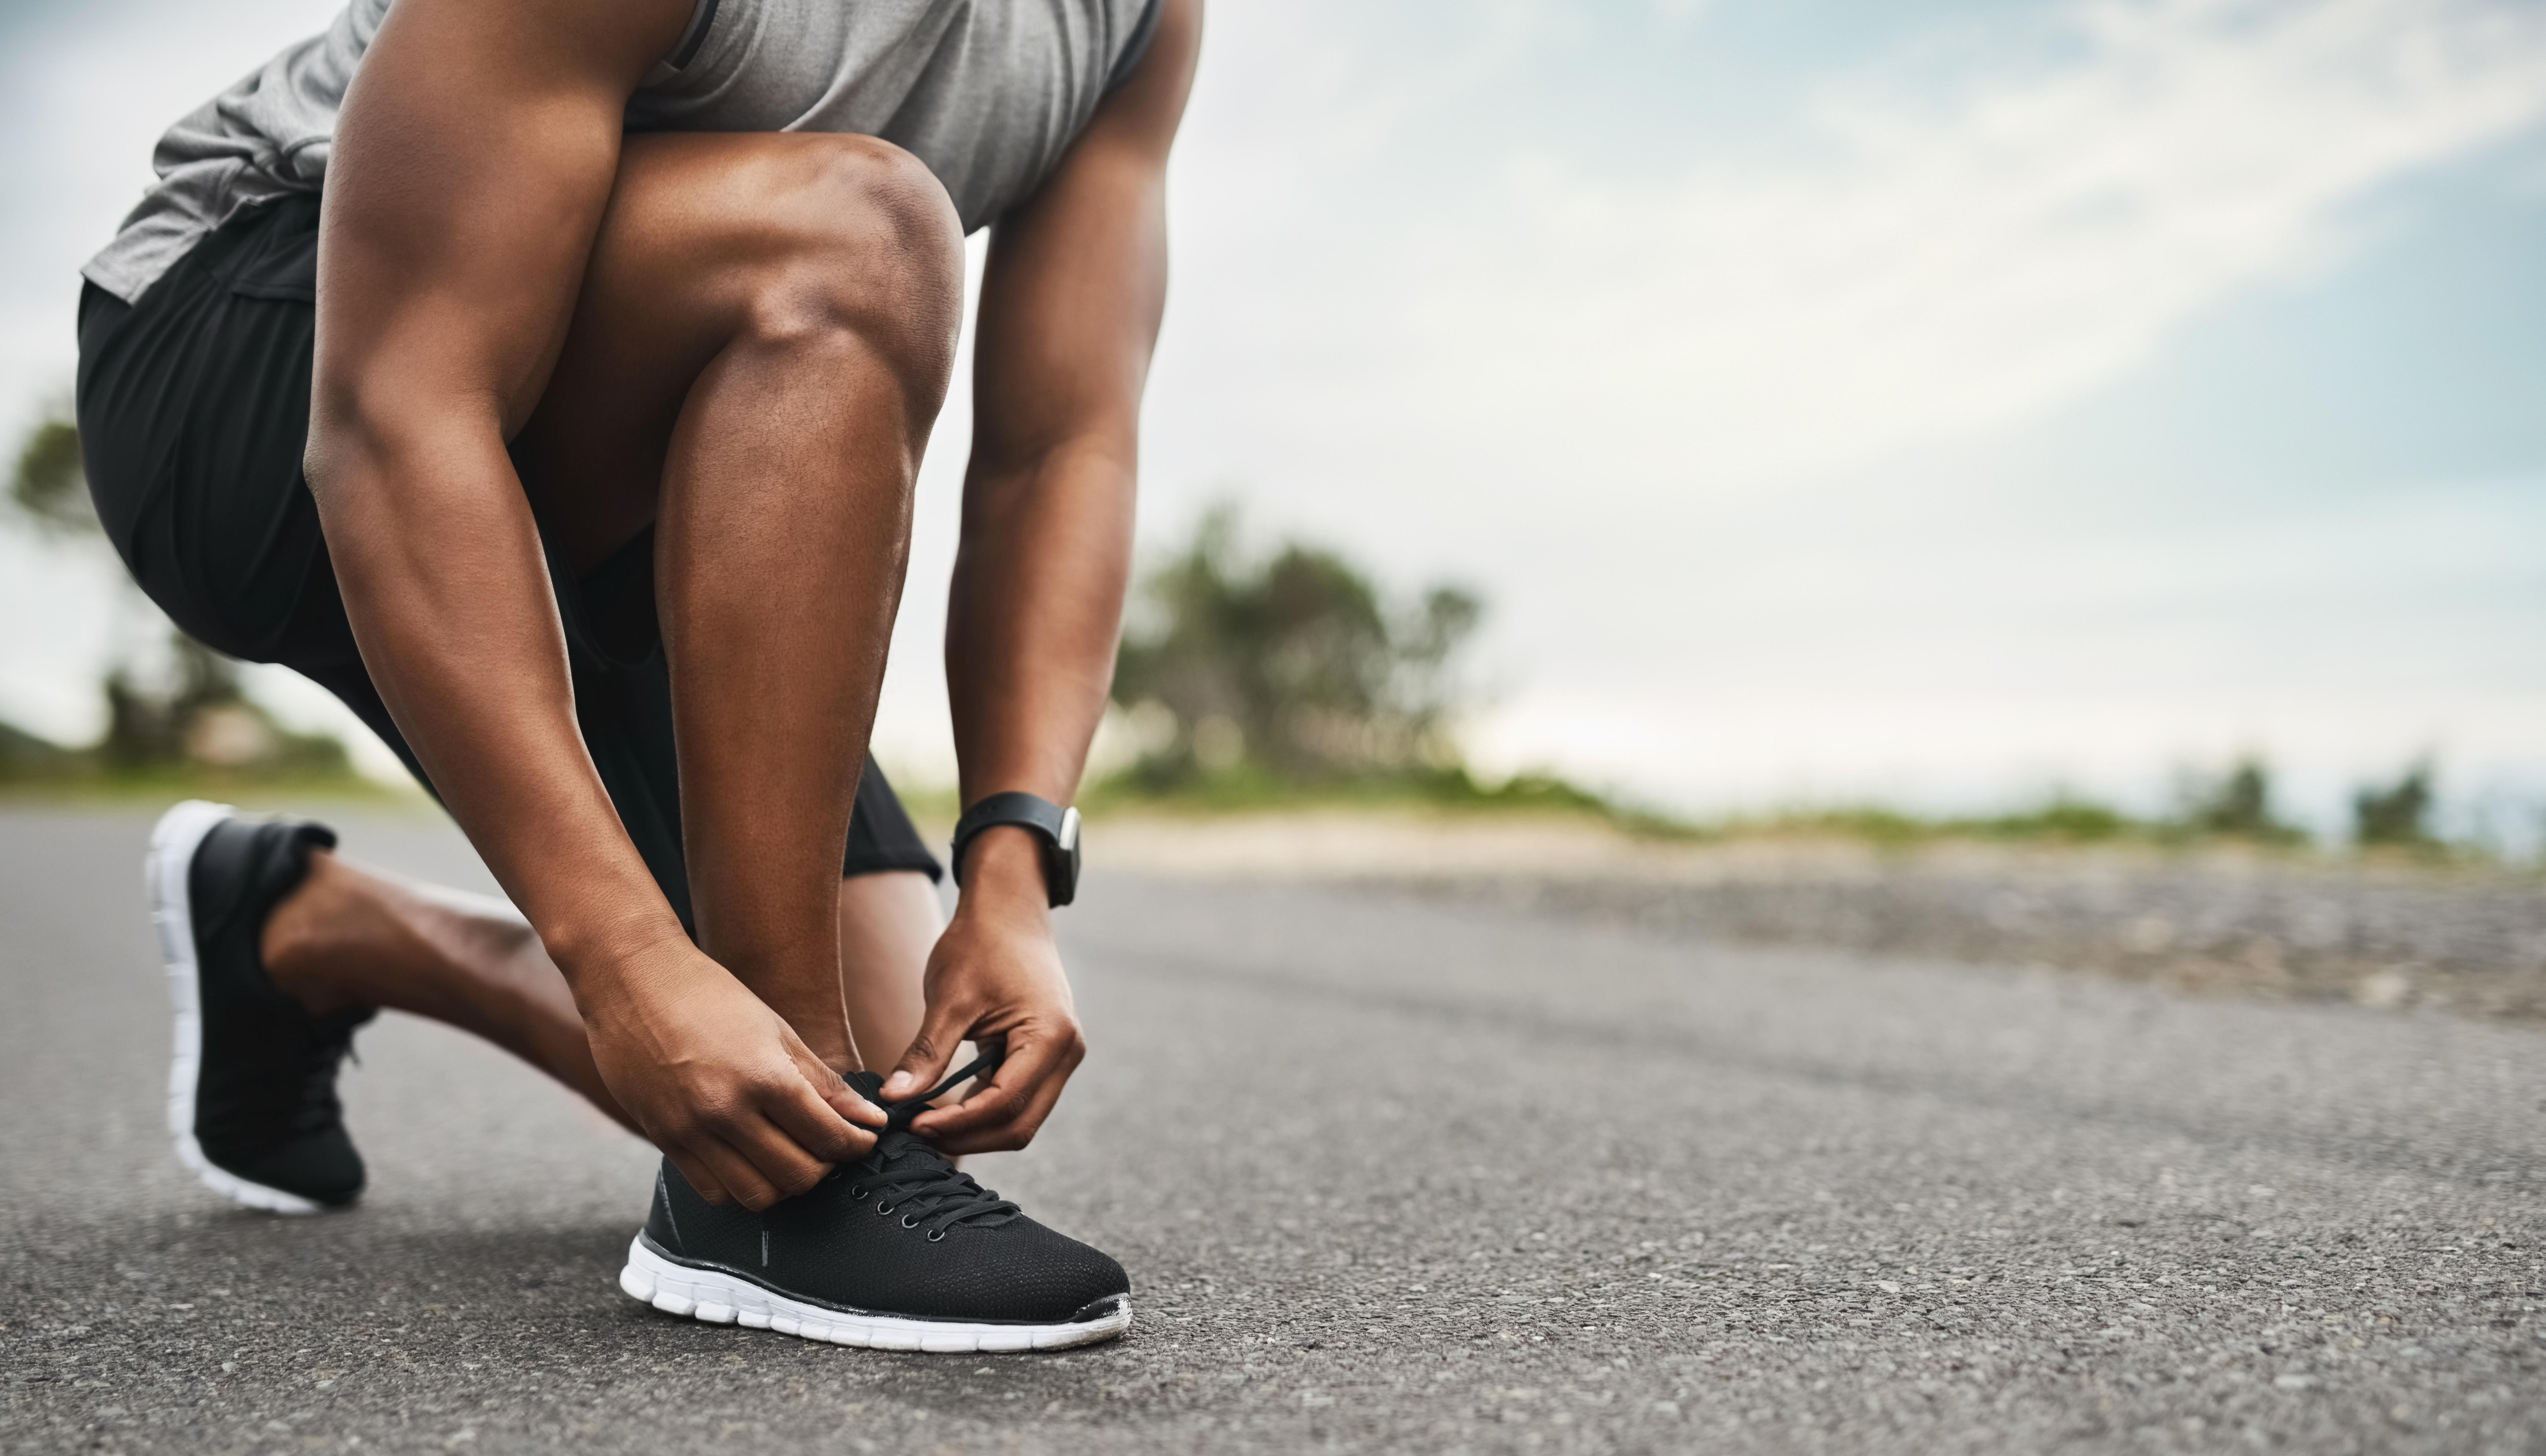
x: 25, y: 757
x: 199, y: 715
x: 49, y: 486
x: 2397, y: 815
x: 2238, y: 806
x: 144, y: 728
x: 1290, y: 665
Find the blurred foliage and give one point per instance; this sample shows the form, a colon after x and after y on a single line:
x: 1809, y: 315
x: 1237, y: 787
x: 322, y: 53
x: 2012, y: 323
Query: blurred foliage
x: 1245, y: 788
x: 2238, y: 806
x: 2397, y: 817
x: 190, y: 722
x: 204, y: 720
x: 2064, y: 819
x: 27, y: 759
x: 1259, y: 681
x: 49, y: 487
x: 1253, y: 678
x: 2234, y: 805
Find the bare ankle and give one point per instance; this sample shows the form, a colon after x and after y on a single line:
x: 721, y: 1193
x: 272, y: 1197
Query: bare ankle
x: 313, y: 938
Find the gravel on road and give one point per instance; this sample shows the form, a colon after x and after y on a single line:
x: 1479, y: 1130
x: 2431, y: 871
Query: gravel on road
x: 1389, y: 1173
x: 2385, y: 931
x: 2470, y: 942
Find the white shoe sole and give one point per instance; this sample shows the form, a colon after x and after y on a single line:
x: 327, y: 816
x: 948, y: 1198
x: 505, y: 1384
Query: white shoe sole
x: 173, y: 843
x: 723, y: 1299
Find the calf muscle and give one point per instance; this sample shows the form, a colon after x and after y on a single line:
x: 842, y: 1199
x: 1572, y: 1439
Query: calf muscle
x: 745, y: 337
x: 759, y: 352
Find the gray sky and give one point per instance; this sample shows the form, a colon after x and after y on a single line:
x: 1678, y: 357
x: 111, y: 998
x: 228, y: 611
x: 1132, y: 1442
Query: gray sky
x: 1929, y: 400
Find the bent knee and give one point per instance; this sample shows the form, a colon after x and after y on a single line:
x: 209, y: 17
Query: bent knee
x: 875, y: 179
x: 867, y: 242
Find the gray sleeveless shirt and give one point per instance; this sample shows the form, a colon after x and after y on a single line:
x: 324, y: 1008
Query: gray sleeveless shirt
x: 988, y: 93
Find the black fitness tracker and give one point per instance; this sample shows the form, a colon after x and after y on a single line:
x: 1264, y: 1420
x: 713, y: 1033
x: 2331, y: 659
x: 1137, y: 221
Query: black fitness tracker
x: 1056, y: 826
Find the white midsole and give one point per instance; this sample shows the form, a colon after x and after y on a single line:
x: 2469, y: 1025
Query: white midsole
x: 173, y: 843
x: 723, y: 1298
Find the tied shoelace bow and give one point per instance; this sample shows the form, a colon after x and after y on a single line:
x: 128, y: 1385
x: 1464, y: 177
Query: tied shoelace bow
x: 905, y: 1175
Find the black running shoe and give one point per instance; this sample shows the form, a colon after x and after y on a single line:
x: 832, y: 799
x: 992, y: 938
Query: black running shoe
x: 897, y: 1251
x: 252, y: 1090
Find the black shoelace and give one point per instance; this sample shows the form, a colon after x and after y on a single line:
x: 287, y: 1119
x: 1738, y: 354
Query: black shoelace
x: 907, y: 1177
x: 319, y: 1107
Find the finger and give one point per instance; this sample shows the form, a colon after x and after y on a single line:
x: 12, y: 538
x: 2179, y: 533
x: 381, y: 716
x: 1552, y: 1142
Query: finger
x: 815, y: 1124
x: 847, y: 1102
x: 970, y: 1088
x: 966, y: 1053
x: 1030, y: 1056
x: 742, y: 1183
x: 1034, y: 1062
x: 703, y: 1182
x: 922, y: 1067
x: 782, y: 1162
x: 1016, y: 1132
x: 833, y: 1090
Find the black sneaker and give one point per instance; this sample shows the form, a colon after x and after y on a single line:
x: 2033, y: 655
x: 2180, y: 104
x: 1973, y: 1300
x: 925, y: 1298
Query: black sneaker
x: 252, y: 1090
x: 897, y: 1251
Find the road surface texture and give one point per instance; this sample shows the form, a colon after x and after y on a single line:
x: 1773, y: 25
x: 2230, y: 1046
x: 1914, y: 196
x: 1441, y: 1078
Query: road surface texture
x: 2388, y: 930
x: 1390, y: 1174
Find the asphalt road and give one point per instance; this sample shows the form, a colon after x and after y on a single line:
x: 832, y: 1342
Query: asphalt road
x: 1389, y: 1175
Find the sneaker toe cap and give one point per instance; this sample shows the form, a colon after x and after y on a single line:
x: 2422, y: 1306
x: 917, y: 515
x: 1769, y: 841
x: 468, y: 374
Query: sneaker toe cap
x: 322, y: 1168
x: 1024, y: 1272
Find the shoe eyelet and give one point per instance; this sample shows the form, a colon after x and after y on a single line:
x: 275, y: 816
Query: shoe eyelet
x: 936, y: 1235
x: 881, y: 1209
x: 909, y: 1223
x: 858, y: 1195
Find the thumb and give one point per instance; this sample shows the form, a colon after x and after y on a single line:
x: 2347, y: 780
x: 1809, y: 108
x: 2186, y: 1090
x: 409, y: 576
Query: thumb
x: 941, y: 1032
x: 827, y: 1083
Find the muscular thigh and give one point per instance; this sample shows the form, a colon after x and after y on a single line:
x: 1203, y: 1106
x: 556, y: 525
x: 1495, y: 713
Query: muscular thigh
x: 708, y: 237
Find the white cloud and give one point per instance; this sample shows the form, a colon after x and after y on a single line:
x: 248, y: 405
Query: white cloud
x: 1652, y: 388
x: 87, y: 97
x: 1954, y: 262
x: 1679, y: 15
x: 1439, y: 302
x: 1955, y: 670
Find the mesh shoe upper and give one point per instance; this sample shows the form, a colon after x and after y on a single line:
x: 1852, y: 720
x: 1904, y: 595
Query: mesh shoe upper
x: 900, y: 1233
x: 264, y: 1096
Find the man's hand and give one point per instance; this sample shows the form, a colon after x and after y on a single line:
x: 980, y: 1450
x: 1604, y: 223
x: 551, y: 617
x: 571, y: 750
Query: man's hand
x: 1072, y: 295
x: 995, y: 979
x: 718, y: 1081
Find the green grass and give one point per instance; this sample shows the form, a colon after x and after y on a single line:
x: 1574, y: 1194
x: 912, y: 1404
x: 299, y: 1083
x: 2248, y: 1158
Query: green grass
x: 1252, y: 788
x: 2063, y: 819
x: 2059, y: 820
x: 77, y: 781
x: 1249, y: 788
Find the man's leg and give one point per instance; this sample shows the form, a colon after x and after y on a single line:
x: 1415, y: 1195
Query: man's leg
x: 760, y: 347
x: 759, y: 351
x: 347, y: 937
x: 889, y: 924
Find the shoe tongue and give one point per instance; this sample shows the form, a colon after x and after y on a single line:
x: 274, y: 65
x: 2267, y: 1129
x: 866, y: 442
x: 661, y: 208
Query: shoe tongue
x: 897, y: 1140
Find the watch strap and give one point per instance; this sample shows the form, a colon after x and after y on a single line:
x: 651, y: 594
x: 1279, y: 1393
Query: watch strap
x: 1054, y: 826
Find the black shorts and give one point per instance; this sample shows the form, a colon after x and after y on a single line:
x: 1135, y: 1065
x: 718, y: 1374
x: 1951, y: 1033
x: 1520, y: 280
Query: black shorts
x: 194, y: 408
